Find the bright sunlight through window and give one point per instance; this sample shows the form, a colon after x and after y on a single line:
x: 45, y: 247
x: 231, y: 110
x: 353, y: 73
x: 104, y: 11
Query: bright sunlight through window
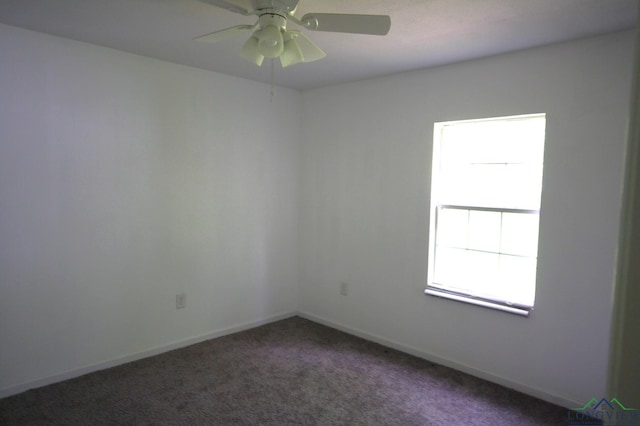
x: 485, y: 208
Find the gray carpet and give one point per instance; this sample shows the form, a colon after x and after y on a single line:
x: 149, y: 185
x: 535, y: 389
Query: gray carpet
x: 291, y: 372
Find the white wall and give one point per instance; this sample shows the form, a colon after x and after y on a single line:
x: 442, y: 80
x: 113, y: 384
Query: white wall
x: 124, y: 181
x: 364, y: 212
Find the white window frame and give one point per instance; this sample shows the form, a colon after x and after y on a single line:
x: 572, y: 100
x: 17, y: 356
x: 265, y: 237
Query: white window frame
x: 441, y: 289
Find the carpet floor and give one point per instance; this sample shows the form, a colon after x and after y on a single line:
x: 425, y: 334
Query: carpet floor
x: 290, y: 372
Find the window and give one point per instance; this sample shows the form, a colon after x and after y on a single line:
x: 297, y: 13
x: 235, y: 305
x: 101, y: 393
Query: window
x: 485, y: 208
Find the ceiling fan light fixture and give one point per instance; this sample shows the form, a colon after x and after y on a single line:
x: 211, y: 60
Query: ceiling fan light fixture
x: 271, y: 39
x: 270, y: 42
x: 292, y: 54
x: 251, y: 52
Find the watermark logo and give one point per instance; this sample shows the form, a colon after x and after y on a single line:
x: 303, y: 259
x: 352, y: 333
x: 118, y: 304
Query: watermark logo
x: 604, y: 411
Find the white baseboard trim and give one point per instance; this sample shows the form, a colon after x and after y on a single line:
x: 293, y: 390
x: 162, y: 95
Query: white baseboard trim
x: 70, y: 374
x: 517, y: 386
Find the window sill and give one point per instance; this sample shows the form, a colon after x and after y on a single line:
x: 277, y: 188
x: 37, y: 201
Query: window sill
x: 485, y: 304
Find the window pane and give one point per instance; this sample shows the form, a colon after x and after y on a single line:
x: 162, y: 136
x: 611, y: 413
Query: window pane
x: 492, y: 185
x: 489, y: 275
x: 481, y: 272
x: 520, y: 234
x: 450, y: 265
x: 495, y: 141
x: 452, y: 227
x: 484, y: 231
x: 517, y: 279
x: 466, y: 270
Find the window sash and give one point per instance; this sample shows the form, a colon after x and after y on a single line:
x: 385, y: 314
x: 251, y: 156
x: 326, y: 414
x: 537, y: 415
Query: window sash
x: 449, y: 289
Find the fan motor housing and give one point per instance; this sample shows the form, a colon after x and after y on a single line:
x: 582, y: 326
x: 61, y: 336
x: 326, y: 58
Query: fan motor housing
x: 272, y: 18
x: 283, y: 6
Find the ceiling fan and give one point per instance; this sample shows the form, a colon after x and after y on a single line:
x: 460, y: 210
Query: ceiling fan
x: 270, y: 38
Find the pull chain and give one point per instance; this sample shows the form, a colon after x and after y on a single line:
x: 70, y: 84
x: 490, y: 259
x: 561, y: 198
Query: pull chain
x: 272, y: 88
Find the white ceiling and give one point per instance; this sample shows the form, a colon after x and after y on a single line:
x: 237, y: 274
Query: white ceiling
x: 424, y: 33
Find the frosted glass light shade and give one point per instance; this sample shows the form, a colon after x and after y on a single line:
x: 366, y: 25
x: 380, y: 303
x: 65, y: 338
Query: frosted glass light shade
x: 292, y: 53
x: 270, y: 43
x: 251, y: 52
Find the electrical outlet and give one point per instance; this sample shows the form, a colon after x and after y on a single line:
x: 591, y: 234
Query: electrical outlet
x: 181, y: 301
x: 344, y: 289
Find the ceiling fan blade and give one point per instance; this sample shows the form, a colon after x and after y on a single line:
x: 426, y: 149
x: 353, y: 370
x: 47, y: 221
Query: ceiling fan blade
x: 310, y: 51
x: 231, y: 7
x: 226, y: 33
x: 344, y: 23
